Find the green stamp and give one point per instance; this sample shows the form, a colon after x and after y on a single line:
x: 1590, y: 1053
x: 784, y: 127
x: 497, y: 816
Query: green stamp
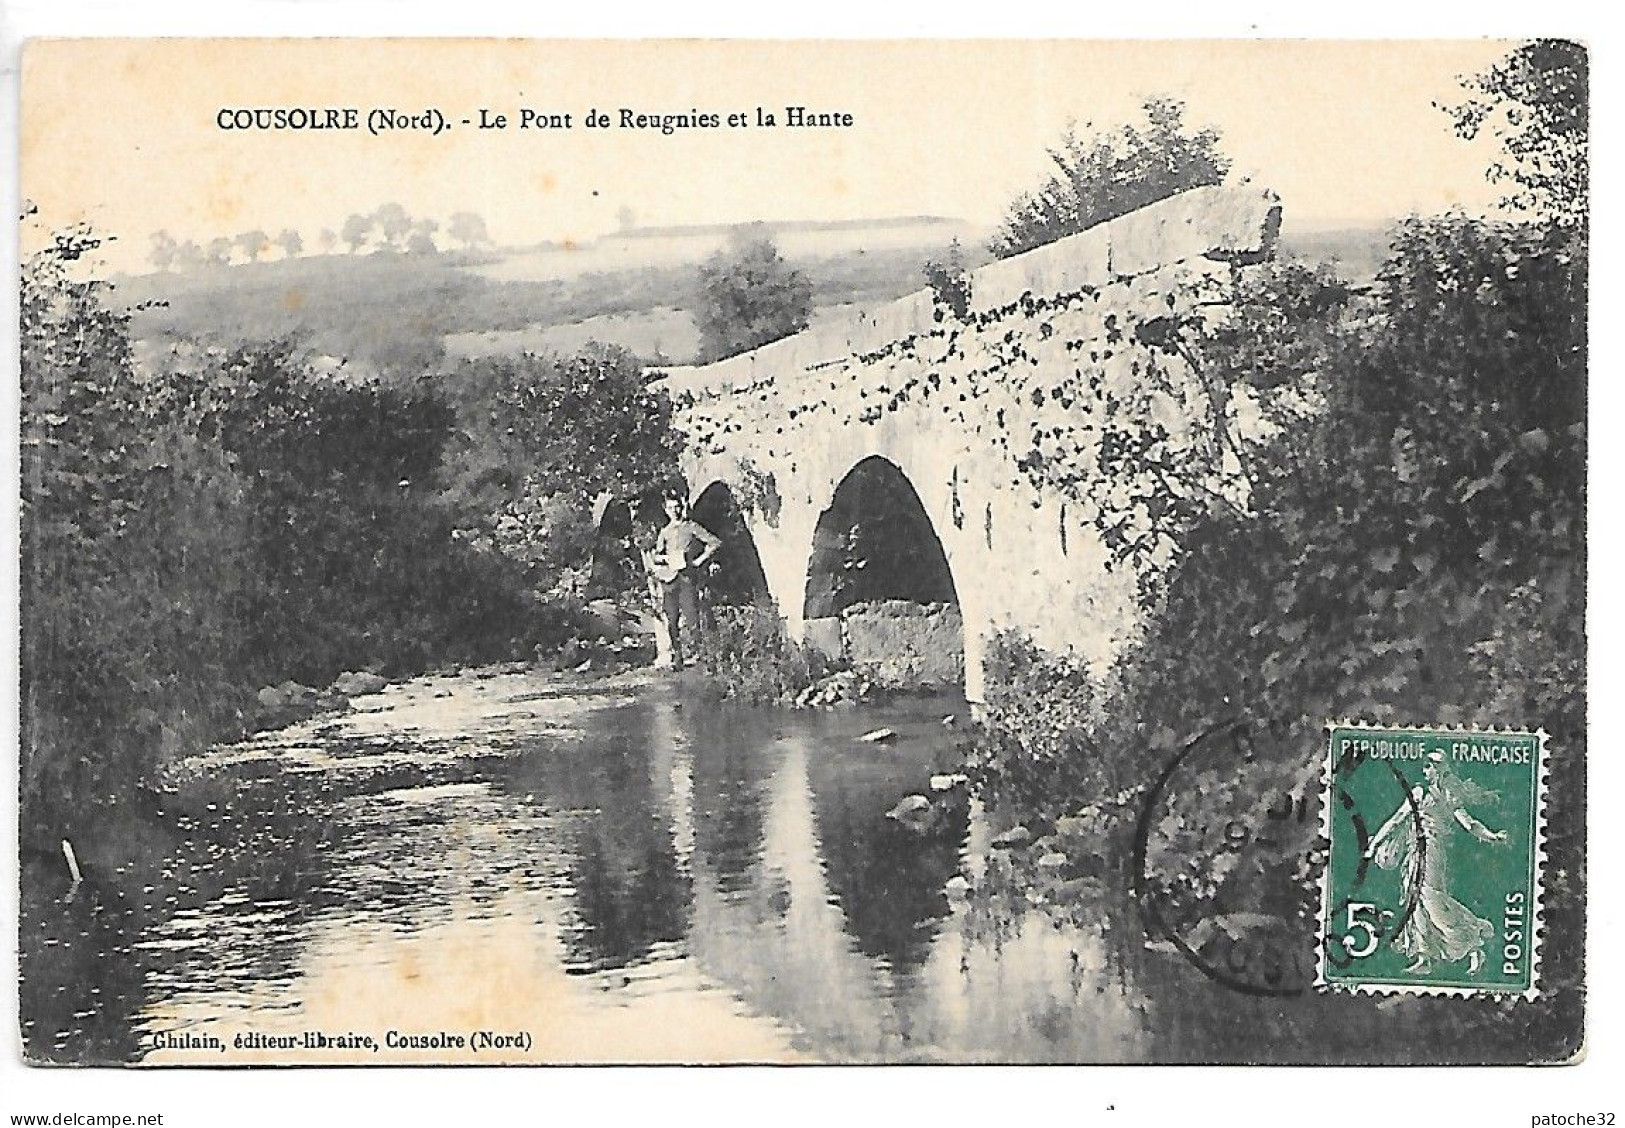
x: 1433, y: 876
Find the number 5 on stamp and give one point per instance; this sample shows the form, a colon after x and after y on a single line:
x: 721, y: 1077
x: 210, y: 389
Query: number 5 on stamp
x: 1433, y: 879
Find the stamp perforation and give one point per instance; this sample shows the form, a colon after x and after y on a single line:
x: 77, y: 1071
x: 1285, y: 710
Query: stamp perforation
x: 1535, y: 919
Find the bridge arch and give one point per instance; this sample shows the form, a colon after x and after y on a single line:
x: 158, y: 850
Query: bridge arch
x: 612, y: 567
x: 739, y: 579
x: 880, y: 590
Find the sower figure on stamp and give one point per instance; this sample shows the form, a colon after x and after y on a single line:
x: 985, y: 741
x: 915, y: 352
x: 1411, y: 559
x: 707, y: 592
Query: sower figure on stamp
x: 681, y: 548
x: 1417, y: 838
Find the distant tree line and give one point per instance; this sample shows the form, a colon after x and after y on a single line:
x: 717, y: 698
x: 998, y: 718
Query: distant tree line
x: 391, y: 228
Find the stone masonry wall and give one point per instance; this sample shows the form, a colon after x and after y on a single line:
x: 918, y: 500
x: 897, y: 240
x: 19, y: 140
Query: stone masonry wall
x: 905, y: 645
x: 995, y: 420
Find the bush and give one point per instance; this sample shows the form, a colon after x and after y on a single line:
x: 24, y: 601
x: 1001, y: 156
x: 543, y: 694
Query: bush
x: 1100, y: 176
x: 950, y: 284
x: 1036, y: 741
x: 744, y: 655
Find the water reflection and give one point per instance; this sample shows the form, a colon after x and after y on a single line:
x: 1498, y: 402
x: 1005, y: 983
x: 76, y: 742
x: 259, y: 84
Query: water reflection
x: 616, y: 871
x: 889, y: 880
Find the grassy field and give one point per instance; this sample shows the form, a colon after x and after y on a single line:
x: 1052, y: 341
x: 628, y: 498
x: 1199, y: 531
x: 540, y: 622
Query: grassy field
x: 400, y: 312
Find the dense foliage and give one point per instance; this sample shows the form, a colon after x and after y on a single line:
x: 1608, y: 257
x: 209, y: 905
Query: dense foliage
x: 1405, y: 543
x: 1413, y: 553
x: 1102, y: 175
x: 1434, y: 492
x: 748, y: 296
x: 545, y: 443
x: 196, y: 528
x: 1536, y: 103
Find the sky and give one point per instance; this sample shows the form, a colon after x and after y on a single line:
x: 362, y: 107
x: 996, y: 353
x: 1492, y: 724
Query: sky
x: 124, y: 134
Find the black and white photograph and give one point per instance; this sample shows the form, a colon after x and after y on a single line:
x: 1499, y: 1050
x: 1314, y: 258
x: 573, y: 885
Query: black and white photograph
x: 736, y: 552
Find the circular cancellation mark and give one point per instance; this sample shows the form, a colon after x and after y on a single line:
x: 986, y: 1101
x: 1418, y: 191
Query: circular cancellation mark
x: 1227, y: 857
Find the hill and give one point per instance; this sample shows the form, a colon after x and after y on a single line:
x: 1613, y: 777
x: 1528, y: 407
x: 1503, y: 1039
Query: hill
x: 403, y: 313
x: 1354, y: 252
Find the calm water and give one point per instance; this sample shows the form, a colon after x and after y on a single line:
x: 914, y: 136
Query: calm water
x: 606, y: 872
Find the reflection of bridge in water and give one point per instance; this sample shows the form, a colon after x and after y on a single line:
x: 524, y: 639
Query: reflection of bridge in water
x: 947, y: 432
x: 812, y: 907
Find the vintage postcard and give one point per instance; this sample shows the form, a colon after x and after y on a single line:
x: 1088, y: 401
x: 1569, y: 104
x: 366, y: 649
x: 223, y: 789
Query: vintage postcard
x: 803, y: 552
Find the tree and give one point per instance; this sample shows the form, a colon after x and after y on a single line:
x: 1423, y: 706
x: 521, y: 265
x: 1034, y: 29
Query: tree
x: 163, y: 251
x: 748, y: 296
x: 327, y: 240
x: 421, y: 240
x: 253, y: 244
x: 218, y: 252
x: 355, y: 231
x: 188, y: 256
x: 1535, y: 102
x: 468, y: 229
x: 291, y: 243
x: 1102, y: 175
x: 546, y: 435
x: 393, y: 224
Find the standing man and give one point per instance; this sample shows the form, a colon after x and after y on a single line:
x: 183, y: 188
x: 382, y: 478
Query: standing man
x: 680, y: 548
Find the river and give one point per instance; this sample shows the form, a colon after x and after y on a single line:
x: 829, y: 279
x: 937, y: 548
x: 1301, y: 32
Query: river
x: 592, y: 870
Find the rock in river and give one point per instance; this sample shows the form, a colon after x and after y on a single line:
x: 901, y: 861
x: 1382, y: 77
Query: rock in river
x: 1014, y: 838
x: 355, y: 683
x: 914, y: 812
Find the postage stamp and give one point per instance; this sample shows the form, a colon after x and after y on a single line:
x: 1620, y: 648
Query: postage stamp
x: 1433, y: 879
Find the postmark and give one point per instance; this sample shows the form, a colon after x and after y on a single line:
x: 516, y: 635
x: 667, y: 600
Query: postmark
x: 1224, y: 843
x: 1433, y: 876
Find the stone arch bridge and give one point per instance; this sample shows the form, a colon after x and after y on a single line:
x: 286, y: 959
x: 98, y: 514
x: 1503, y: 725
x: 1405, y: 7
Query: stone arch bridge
x: 972, y: 426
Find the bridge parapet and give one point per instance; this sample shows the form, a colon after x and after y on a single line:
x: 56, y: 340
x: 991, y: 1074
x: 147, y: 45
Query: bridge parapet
x: 1216, y: 225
